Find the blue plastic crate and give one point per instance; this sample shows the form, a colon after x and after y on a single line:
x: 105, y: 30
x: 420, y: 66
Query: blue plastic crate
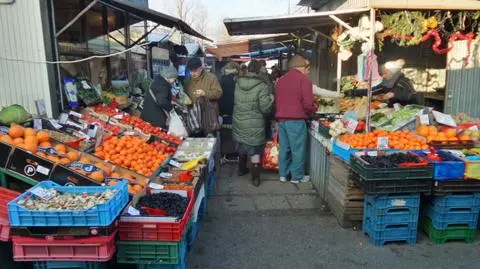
x: 98, y: 216
x: 192, y: 234
x: 446, y: 170
x: 455, y: 216
x: 182, y: 265
x: 344, y: 154
x: 211, y: 182
x: 404, y: 216
x: 69, y: 265
x: 393, y: 201
x: 392, y: 233
x: 202, y: 211
x: 456, y: 200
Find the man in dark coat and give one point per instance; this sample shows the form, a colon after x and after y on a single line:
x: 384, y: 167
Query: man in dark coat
x: 158, y: 100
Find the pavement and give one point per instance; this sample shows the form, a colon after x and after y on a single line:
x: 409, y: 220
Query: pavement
x: 286, y: 226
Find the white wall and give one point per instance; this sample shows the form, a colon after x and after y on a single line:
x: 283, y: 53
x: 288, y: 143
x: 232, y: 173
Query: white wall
x: 21, y: 37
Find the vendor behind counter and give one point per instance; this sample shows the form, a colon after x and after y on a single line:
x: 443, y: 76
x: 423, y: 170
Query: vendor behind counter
x: 396, y: 87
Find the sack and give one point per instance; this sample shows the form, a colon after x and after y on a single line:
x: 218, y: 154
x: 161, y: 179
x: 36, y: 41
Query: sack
x: 194, y: 119
x: 176, y: 126
x: 272, y: 152
x: 210, y: 115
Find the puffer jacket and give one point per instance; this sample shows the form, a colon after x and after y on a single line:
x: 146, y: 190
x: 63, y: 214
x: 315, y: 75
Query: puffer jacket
x: 252, y: 103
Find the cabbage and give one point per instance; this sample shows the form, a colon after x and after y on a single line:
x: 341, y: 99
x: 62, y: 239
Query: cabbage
x: 14, y: 114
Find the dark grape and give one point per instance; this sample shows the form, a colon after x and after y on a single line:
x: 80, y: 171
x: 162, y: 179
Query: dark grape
x: 391, y: 160
x: 174, y: 204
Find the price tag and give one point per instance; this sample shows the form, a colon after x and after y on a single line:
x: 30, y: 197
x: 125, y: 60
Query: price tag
x: 44, y: 194
x: 118, y: 117
x: 424, y: 120
x: 37, y: 124
x: 55, y: 124
x: 85, y: 85
x: 342, y: 145
x: 50, y: 151
x: 133, y: 211
x: 88, y: 168
x: 166, y: 175
x: 382, y: 143
x: 75, y: 114
x: 351, y: 126
x: 41, y: 107
x: 156, y: 186
x: 175, y: 164
x: 43, y: 170
x: 63, y: 118
x: 444, y: 119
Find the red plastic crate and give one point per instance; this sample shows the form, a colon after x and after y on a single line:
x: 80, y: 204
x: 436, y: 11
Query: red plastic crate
x: 6, y: 196
x: 154, y: 230
x: 97, y: 249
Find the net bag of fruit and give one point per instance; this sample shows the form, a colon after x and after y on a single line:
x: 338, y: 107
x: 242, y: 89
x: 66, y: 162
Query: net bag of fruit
x: 272, y: 152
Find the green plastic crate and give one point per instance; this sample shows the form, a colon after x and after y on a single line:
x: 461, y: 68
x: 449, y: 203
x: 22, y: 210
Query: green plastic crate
x: 3, y: 181
x: 451, y: 233
x: 145, y: 252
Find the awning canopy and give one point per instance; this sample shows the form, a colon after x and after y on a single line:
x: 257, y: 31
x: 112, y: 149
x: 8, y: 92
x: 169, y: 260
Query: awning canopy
x: 229, y: 49
x: 286, y: 24
x: 154, y: 16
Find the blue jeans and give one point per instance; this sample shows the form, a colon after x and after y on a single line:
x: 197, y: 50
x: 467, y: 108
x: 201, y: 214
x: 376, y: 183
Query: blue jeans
x: 293, y: 143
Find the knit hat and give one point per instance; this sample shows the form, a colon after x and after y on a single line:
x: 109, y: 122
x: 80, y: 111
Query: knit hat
x: 169, y: 72
x: 194, y: 63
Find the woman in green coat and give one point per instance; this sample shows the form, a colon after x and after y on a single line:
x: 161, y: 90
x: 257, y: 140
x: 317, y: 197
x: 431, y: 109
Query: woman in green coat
x: 253, y: 102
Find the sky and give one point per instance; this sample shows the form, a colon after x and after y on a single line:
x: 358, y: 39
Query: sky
x: 220, y: 9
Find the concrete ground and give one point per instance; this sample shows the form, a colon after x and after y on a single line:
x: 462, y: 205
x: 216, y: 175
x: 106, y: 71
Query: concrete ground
x: 282, y: 226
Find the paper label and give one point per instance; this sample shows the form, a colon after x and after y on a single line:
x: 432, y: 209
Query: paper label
x: 382, y: 143
x: 4, y: 129
x: 175, y: 164
x: 45, y: 194
x: 75, y: 114
x: 118, y: 117
x: 351, y: 126
x: 85, y: 85
x: 133, y: 211
x: 444, y: 119
x: 343, y: 145
x: 399, y: 202
x: 424, y: 120
x: 37, y: 124
x: 165, y: 175
x: 55, y: 124
x: 156, y: 186
x: 43, y: 170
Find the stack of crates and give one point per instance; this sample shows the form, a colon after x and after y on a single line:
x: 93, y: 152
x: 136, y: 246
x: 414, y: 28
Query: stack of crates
x: 77, y: 239
x: 155, y: 242
x: 452, y: 216
x: 199, y: 212
x: 391, y: 218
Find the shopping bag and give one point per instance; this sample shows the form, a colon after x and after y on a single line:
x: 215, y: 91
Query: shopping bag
x: 210, y: 114
x: 176, y: 126
x: 271, y: 154
x: 194, y: 118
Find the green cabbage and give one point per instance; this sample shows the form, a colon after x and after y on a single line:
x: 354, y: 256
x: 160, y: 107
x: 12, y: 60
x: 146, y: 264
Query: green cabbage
x: 14, y: 114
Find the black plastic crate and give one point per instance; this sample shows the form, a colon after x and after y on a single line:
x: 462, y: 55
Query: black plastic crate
x: 324, y: 130
x: 61, y: 232
x: 389, y: 186
x: 360, y: 167
x: 29, y: 165
x: 458, y: 186
x: 5, y: 151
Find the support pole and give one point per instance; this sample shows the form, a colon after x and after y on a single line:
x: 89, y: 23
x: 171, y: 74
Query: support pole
x: 372, y: 51
x: 339, y: 73
x: 75, y: 19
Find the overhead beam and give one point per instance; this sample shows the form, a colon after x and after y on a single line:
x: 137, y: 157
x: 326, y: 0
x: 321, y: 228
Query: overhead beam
x: 76, y: 18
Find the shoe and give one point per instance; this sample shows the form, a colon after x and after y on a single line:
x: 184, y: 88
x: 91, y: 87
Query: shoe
x: 305, y: 179
x: 283, y: 179
x: 294, y: 181
x: 256, y: 176
x: 242, y: 165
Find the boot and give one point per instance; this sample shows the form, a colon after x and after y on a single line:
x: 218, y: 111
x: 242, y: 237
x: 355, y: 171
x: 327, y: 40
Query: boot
x: 242, y: 165
x: 256, y: 175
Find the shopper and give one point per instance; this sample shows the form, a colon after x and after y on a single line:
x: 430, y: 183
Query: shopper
x: 294, y: 104
x: 252, y: 103
x: 228, y: 79
x: 243, y: 70
x: 202, y: 83
x: 158, y: 99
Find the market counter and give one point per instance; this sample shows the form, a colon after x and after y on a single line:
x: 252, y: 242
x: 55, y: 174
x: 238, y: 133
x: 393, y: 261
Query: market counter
x: 317, y: 161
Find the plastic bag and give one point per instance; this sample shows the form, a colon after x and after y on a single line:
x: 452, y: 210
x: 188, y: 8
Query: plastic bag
x: 176, y: 126
x: 272, y: 152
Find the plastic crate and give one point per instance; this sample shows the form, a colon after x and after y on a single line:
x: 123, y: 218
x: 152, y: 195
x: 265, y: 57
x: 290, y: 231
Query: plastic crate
x: 454, y: 216
x: 344, y: 154
x: 446, y: 170
x: 437, y: 236
x: 367, y: 173
x: 192, y: 234
x: 472, y: 168
x: 69, y: 265
x: 324, y: 131
x: 155, y: 228
x: 457, y: 144
x: 6, y: 196
x: 182, y: 265
x: 64, y: 232
x: 457, y: 186
x: 211, y: 183
x: 447, y: 202
x: 391, y: 233
x: 98, y: 216
x: 394, y: 186
x: 136, y: 252
x: 97, y: 249
x: 392, y: 201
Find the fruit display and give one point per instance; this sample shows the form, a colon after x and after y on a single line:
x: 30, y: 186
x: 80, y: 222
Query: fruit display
x: 471, y: 133
x: 433, y: 133
x: 396, y: 140
x: 391, y: 160
x: 115, y: 130
x: 462, y: 118
x: 109, y: 110
x: 162, y: 204
x: 147, y: 128
x: 132, y: 153
x: 163, y: 147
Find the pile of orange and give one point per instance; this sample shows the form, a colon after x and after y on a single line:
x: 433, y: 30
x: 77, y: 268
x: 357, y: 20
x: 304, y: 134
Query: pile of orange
x: 396, y: 140
x: 432, y: 133
x: 133, y: 153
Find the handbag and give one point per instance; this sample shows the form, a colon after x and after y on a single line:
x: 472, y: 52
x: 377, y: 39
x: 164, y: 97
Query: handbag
x: 210, y: 115
x: 194, y: 118
x: 271, y: 154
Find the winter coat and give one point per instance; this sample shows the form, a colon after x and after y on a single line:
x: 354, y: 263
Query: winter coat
x: 226, y: 101
x: 206, y: 81
x: 252, y: 103
x: 294, y: 96
x: 154, y: 112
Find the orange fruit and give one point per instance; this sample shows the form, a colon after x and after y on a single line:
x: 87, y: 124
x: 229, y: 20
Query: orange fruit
x: 16, y: 131
x: 18, y: 141
x: 464, y: 137
x: 451, y: 133
x: 6, y: 139
x: 31, y: 140
x: 64, y: 161
x: 423, y: 130
x: 115, y: 175
x: 30, y: 132
x: 73, y: 156
x: 85, y: 160
x: 137, y: 188
x: 43, y: 136
x: 112, y: 183
x: 45, y: 144
x: 97, y: 176
x: 41, y: 154
x: 60, y: 148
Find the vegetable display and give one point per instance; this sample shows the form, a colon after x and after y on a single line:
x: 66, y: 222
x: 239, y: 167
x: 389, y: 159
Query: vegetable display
x: 401, y: 117
x: 337, y: 128
x: 14, y: 114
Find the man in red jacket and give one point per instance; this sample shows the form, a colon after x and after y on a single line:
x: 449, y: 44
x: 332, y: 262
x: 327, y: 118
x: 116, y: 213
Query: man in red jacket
x: 295, y: 103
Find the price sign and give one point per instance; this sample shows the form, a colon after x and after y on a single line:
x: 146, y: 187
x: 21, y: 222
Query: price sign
x: 424, y: 120
x: 133, y: 211
x: 382, y: 143
x: 118, y: 117
x: 55, y: 124
x: 351, y: 126
x: 175, y: 164
x: 75, y: 114
x: 444, y: 119
x: 45, y: 194
x: 156, y: 186
x: 50, y: 151
x: 37, y: 124
x: 473, y: 128
x: 166, y: 175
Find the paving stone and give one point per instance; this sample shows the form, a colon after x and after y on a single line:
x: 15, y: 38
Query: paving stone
x: 271, y: 202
